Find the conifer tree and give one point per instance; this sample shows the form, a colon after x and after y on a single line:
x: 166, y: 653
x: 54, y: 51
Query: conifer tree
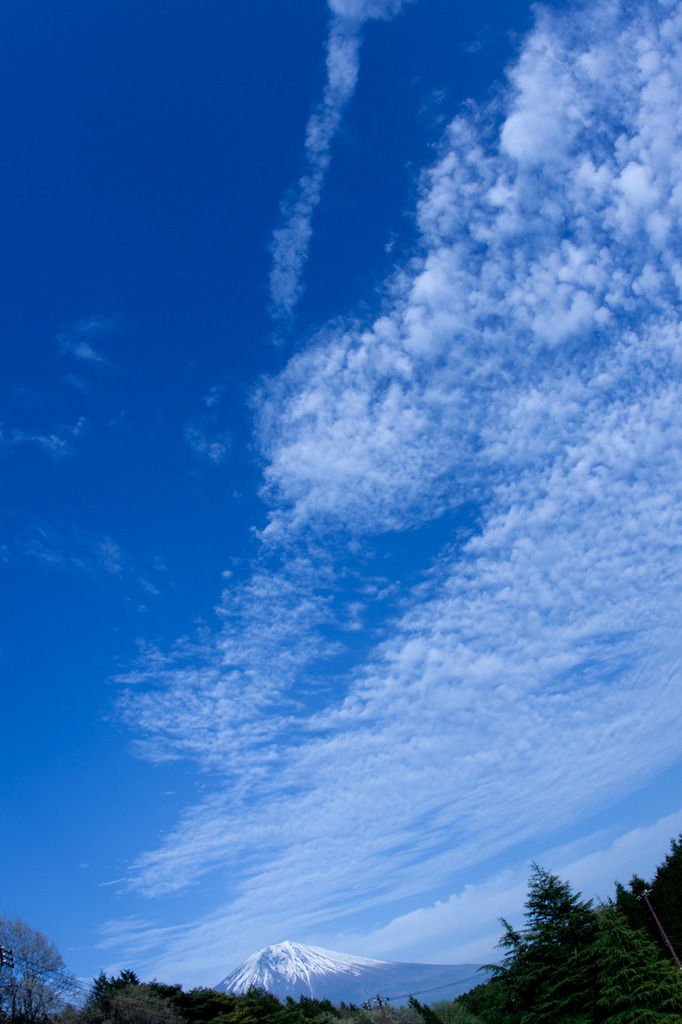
x: 548, y: 974
x: 665, y: 894
x: 630, y: 903
x: 634, y: 985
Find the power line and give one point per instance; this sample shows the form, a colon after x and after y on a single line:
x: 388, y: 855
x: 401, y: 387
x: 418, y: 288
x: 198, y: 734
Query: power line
x: 434, y: 988
x: 380, y: 1002
x: 43, y: 969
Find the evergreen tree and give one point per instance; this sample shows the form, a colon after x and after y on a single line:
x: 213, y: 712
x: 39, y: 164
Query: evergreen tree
x: 630, y: 903
x: 103, y: 989
x: 203, y: 1005
x: 126, y: 1000
x: 665, y: 895
x: 488, y: 1003
x: 424, y: 1011
x: 140, y: 1004
x: 547, y: 972
x: 255, y: 1006
x: 571, y: 964
x: 634, y: 985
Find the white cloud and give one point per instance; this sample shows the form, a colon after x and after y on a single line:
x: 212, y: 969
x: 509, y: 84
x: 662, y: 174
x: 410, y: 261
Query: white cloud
x: 70, y: 548
x: 53, y: 443
x: 364, y: 10
x: 528, y: 363
x: 465, y: 928
x: 214, y: 395
x: 78, y: 339
x: 291, y: 241
x: 203, y: 442
x: 55, y: 446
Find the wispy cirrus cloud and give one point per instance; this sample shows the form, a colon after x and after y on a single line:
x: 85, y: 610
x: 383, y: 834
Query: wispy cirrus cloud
x: 69, y: 548
x: 291, y: 241
x: 249, y: 671
x: 55, y: 446
x: 205, y: 442
x: 466, y: 926
x: 81, y: 337
x: 528, y: 365
x: 463, y: 927
x: 214, y: 396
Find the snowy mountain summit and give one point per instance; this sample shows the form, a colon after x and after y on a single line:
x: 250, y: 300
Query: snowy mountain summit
x: 291, y: 969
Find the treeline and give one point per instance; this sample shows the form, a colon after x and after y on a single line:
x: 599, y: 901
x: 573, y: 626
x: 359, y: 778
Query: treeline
x: 570, y: 963
x: 574, y: 963
x: 125, y: 1000
x: 37, y: 990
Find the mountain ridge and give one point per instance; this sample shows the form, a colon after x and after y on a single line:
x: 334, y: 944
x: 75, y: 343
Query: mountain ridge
x: 293, y: 969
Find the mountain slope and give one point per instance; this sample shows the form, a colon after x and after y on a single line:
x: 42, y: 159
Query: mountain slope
x: 291, y: 969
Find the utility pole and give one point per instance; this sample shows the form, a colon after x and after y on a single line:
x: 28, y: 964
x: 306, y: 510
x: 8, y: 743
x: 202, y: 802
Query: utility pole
x: 380, y: 1003
x: 6, y: 958
x: 666, y: 940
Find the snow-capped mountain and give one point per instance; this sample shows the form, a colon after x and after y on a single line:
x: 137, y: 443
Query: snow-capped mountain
x: 291, y: 969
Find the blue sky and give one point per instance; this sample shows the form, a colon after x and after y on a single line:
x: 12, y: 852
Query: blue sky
x: 340, y: 441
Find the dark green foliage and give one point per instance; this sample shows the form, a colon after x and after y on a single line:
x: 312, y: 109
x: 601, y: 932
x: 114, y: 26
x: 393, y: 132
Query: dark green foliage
x: 124, y: 1000
x: 139, y: 1004
x: 173, y: 993
x: 665, y: 895
x: 425, y: 1012
x: 254, y: 1006
x: 486, y: 1002
x: 568, y: 964
x: 547, y: 969
x: 306, y: 1009
x: 635, y: 985
x: 104, y: 989
x: 631, y: 905
x: 199, y: 1005
x: 356, y: 1014
x: 572, y: 964
x: 454, y: 1012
